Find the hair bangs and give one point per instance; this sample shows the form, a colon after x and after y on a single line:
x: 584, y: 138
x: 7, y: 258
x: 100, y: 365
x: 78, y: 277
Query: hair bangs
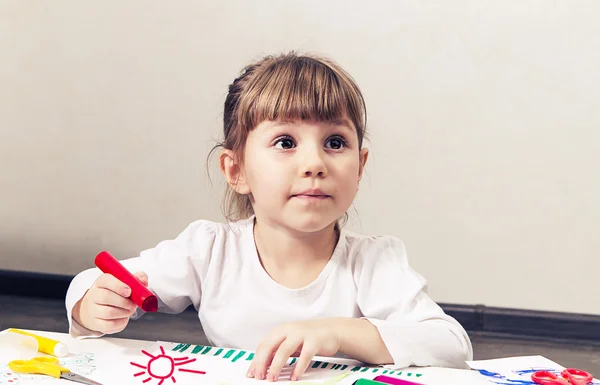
x: 299, y: 88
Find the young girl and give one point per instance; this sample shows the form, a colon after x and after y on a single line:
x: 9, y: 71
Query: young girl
x: 285, y: 278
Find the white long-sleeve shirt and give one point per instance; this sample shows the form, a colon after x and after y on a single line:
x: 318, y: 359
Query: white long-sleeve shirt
x: 215, y: 267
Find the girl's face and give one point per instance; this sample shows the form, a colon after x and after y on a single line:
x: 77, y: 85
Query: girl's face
x: 302, y: 175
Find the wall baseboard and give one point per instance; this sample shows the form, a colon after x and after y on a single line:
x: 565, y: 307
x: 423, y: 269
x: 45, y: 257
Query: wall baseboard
x: 516, y: 323
x: 527, y: 324
x: 30, y: 284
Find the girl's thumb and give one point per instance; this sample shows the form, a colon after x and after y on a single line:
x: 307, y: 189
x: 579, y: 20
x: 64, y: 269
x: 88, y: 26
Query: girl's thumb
x: 142, y: 277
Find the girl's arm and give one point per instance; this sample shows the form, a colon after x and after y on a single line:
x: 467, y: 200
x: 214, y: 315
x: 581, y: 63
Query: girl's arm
x: 393, y: 298
x: 361, y: 340
x: 174, y: 269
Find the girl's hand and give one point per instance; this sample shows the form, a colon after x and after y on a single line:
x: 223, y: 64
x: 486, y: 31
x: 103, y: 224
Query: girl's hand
x: 105, y: 307
x: 305, y: 338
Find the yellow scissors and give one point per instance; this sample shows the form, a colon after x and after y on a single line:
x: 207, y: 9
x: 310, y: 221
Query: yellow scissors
x: 48, y: 366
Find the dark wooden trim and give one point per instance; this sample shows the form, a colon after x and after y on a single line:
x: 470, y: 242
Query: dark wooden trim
x: 518, y: 323
x: 29, y: 284
x: 527, y: 324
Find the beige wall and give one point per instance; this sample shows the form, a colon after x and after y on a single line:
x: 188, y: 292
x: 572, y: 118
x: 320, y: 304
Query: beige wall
x: 484, y: 119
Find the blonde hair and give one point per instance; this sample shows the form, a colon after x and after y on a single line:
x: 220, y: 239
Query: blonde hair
x: 287, y: 87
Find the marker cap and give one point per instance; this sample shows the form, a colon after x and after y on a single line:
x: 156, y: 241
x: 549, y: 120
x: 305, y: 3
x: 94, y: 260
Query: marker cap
x: 140, y: 294
x: 61, y: 350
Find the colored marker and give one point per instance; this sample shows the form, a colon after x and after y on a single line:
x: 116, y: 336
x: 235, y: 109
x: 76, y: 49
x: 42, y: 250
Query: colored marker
x: 393, y: 381
x: 46, y: 345
x: 140, y: 294
x: 364, y: 381
x: 380, y: 380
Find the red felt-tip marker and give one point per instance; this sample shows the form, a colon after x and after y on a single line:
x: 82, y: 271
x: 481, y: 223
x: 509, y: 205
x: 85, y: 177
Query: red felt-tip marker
x: 140, y: 294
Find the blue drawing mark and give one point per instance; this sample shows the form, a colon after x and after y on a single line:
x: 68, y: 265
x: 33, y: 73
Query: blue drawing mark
x: 499, y: 379
x: 490, y: 374
x: 533, y: 370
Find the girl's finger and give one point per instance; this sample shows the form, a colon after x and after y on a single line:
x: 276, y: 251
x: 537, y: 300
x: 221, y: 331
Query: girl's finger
x: 107, y: 312
x: 142, y: 277
x: 309, y: 350
x: 263, y: 356
x: 286, y: 349
x: 109, y: 282
x: 111, y: 326
x: 101, y: 296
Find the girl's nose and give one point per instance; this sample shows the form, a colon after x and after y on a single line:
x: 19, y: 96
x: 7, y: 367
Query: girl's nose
x: 314, y: 165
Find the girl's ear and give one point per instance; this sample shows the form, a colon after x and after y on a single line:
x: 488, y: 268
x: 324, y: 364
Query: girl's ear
x: 234, y: 172
x: 363, y: 156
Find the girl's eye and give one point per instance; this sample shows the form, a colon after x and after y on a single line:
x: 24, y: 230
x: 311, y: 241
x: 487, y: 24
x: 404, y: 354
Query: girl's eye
x: 284, y: 143
x: 335, y: 143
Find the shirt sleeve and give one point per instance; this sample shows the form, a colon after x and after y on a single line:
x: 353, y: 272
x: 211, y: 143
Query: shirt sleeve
x: 393, y: 297
x: 175, y: 270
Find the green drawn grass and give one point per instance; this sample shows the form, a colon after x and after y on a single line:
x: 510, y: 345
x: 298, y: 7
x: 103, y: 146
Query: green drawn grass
x: 235, y: 355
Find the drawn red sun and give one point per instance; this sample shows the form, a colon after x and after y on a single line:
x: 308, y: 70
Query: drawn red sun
x: 163, y: 366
